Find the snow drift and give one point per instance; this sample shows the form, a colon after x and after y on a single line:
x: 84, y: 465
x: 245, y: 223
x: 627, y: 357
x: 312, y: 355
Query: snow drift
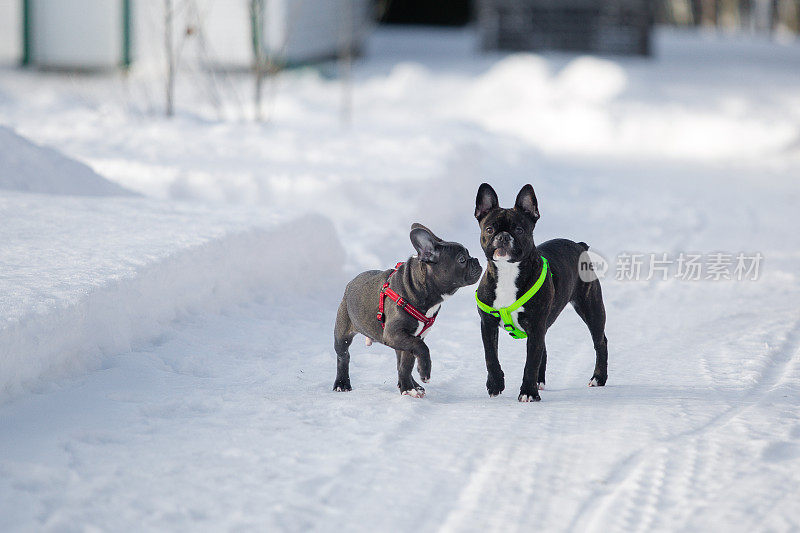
x: 114, y: 312
x: 25, y: 166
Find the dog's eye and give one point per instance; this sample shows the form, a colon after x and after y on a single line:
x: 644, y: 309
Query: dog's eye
x: 462, y: 259
x: 489, y: 230
x: 519, y: 229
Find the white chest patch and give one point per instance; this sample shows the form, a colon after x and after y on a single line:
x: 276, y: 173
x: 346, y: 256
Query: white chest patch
x: 432, y: 311
x: 506, y: 291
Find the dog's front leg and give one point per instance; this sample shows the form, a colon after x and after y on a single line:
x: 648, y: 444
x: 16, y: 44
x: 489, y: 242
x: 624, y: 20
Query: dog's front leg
x: 495, y: 381
x: 405, y: 381
x: 529, y: 391
x: 400, y: 340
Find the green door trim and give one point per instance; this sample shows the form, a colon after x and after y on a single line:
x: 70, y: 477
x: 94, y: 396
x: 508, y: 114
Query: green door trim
x: 27, y: 23
x: 126, y: 34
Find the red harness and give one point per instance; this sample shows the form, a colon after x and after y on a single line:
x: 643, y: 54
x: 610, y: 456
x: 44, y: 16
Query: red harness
x: 402, y: 304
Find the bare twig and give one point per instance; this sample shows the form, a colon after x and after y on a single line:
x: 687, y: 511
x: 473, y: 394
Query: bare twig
x: 257, y: 18
x: 168, y: 42
x: 346, y: 63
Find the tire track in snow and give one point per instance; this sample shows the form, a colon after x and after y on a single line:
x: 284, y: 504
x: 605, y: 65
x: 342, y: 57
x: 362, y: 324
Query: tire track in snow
x: 474, y: 493
x: 777, y: 365
x: 506, y: 486
x: 650, y: 490
x: 482, y: 490
x: 591, y: 514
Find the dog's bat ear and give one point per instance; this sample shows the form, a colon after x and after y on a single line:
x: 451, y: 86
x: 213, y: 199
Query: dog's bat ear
x: 417, y: 225
x: 527, y: 203
x: 485, y: 201
x: 425, y: 243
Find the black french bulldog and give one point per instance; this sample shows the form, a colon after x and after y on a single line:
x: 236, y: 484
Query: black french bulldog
x: 422, y: 283
x: 515, y: 265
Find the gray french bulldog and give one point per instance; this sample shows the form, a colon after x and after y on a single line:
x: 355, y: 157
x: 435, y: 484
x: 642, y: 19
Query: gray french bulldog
x: 422, y: 283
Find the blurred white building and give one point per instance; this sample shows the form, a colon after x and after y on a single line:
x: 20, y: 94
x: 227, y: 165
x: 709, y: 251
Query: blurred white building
x: 105, y: 34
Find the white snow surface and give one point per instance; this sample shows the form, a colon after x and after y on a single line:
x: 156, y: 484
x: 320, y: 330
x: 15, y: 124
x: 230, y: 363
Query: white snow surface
x: 166, y: 363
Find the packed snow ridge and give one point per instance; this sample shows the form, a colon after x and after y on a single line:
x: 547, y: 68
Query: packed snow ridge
x: 83, y: 278
x: 68, y: 331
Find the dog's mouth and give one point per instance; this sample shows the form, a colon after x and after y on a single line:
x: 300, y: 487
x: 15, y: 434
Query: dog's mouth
x: 501, y: 254
x: 503, y: 244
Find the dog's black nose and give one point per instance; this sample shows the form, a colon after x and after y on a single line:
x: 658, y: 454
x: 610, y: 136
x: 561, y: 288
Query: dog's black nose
x: 502, y: 238
x: 475, y: 271
x: 474, y: 265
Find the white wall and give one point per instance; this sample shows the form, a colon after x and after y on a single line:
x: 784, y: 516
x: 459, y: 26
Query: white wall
x: 301, y: 30
x: 76, y: 33
x: 10, y: 31
x: 227, y: 27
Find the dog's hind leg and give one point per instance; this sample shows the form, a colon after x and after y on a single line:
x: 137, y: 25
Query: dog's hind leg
x: 588, y: 303
x: 542, y: 368
x: 342, y: 338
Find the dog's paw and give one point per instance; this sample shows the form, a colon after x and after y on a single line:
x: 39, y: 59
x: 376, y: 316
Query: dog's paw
x: 598, y: 381
x: 342, y: 387
x: 525, y: 398
x: 417, y: 392
x: 424, y: 371
x: 541, y: 386
x: 495, y: 385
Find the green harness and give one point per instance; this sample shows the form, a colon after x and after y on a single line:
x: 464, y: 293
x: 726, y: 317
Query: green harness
x: 504, y: 313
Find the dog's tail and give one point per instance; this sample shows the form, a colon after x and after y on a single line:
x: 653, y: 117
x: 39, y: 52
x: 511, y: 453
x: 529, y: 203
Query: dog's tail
x: 583, y: 245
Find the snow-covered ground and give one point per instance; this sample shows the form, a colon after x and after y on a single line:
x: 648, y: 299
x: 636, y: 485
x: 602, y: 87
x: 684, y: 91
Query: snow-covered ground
x: 166, y: 361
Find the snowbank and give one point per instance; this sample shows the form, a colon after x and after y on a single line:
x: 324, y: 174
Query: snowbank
x: 590, y: 106
x: 25, y: 166
x: 120, y: 273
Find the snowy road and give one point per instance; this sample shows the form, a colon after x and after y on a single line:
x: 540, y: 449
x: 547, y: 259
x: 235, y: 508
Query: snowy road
x: 219, y: 415
x: 228, y: 420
